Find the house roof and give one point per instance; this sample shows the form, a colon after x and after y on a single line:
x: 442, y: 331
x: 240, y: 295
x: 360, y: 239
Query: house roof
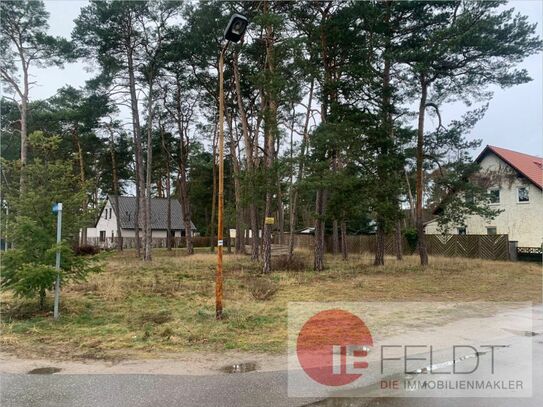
x: 530, y: 166
x: 159, y: 213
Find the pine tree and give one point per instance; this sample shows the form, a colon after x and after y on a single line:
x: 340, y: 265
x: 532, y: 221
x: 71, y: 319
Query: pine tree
x: 25, y: 44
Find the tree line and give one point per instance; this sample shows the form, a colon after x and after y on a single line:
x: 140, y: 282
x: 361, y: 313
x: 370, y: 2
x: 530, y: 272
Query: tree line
x: 326, y: 113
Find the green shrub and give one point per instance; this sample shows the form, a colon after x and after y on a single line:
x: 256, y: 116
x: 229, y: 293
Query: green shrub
x: 29, y: 269
x: 412, y: 238
x: 294, y: 264
x: 262, y: 288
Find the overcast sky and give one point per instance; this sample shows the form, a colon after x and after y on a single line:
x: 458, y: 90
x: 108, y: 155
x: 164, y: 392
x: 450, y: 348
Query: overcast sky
x: 514, y: 119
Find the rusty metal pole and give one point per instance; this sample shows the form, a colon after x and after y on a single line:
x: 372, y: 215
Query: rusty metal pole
x: 219, y: 275
x: 234, y: 32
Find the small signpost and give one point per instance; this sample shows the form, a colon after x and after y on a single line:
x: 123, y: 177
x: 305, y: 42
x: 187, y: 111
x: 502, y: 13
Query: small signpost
x: 57, y: 208
x: 269, y: 221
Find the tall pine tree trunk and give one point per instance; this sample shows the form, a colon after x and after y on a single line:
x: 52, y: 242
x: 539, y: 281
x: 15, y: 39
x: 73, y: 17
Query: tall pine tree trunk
x: 147, y: 229
x: 335, y: 237
x: 318, y: 263
x: 328, y: 97
x: 240, y: 230
x: 384, y: 146
x: 119, y: 239
x: 81, y: 164
x: 398, y: 240
x: 344, y: 253
x: 139, y: 215
x: 249, y: 162
x: 280, y: 214
x: 255, y: 238
x: 270, y: 130
x: 185, y: 205
x: 183, y: 164
x: 411, y: 200
x: 24, y: 121
x: 379, y: 245
x: 293, y: 202
x: 166, y: 153
x: 267, y: 236
x: 421, y: 237
x: 212, y: 237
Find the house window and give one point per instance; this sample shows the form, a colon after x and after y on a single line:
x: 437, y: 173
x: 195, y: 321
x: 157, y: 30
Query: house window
x: 102, y: 235
x: 491, y: 230
x: 461, y: 230
x: 110, y: 212
x: 105, y: 214
x: 494, y: 195
x: 523, y: 194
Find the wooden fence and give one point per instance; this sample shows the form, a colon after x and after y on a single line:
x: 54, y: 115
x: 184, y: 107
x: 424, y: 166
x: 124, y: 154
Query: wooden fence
x: 355, y: 244
x: 156, y: 242
x: 491, y: 247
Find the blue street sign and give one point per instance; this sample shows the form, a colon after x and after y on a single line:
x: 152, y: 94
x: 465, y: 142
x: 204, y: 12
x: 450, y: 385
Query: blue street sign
x: 57, y: 207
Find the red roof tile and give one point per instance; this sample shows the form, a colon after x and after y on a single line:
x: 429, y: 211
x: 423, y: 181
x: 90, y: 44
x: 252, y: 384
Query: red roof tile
x: 528, y: 165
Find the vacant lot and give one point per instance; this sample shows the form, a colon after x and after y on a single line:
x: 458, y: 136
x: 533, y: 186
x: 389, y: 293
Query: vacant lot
x: 134, y: 309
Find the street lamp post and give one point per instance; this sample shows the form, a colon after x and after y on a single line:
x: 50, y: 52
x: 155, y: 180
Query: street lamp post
x: 234, y: 32
x: 57, y: 208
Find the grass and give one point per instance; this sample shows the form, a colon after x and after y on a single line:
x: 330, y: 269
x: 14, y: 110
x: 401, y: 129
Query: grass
x: 140, y: 310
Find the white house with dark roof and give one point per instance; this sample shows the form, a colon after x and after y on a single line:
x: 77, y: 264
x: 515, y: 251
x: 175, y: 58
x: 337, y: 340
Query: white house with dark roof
x: 517, y: 185
x: 105, y: 228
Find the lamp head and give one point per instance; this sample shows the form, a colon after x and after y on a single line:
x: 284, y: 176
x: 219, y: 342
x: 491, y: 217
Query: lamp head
x: 236, y: 28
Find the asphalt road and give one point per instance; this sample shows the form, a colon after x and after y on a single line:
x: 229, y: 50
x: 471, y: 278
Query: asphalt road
x: 512, y: 359
x: 250, y: 389
x: 535, y: 400
x: 240, y: 390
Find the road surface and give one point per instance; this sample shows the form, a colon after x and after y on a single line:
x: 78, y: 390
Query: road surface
x: 240, y: 390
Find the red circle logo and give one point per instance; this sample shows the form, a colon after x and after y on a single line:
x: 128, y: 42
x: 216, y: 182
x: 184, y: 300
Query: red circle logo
x: 332, y: 347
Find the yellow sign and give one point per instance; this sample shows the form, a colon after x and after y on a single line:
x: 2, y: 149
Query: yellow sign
x: 269, y: 221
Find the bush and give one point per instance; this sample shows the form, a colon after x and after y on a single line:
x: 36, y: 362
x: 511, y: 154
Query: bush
x: 262, y: 288
x: 294, y: 264
x: 29, y: 269
x: 29, y: 279
x: 86, y: 250
x: 412, y: 238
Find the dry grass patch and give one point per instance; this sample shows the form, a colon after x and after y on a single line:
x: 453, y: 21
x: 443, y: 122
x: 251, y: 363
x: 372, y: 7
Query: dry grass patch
x: 141, y: 309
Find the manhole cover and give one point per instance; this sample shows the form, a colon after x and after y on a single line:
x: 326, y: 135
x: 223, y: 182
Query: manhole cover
x: 45, y: 370
x: 239, y: 367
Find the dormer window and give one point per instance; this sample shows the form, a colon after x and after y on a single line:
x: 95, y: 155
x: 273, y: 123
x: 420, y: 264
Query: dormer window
x: 523, y: 195
x: 494, y: 196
